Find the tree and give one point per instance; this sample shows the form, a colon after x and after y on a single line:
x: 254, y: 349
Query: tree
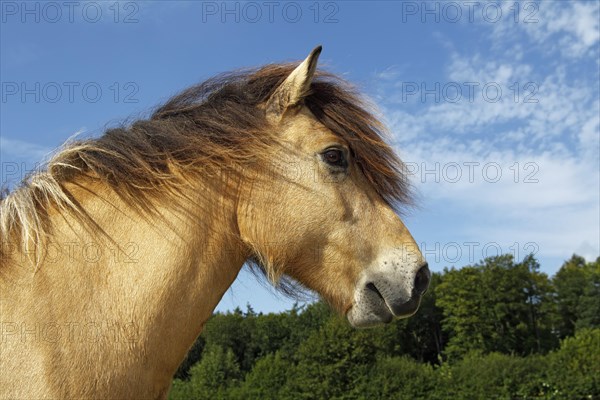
x: 231, y: 331
x: 574, y: 371
x: 214, y: 375
x: 577, y: 286
x: 267, y: 380
x: 459, y: 296
x: 588, y: 309
x: 497, y: 305
x: 493, y: 376
x: 331, y: 362
x: 399, y: 378
x: 270, y: 333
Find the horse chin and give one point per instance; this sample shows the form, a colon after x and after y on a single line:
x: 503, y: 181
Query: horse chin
x: 370, y: 312
x: 367, y: 317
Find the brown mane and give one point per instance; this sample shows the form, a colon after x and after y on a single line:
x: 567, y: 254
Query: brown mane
x: 214, y: 125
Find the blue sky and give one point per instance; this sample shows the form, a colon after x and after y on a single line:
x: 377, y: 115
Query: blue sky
x: 494, y: 105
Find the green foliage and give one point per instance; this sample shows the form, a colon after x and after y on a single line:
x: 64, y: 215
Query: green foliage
x: 494, y: 375
x: 577, y: 286
x: 331, y: 361
x: 497, y: 306
x: 398, y: 378
x: 180, y: 390
x: 489, y: 330
x: 212, y: 377
x: 266, y: 380
x: 574, y: 371
x: 231, y: 331
x: 588, y: 308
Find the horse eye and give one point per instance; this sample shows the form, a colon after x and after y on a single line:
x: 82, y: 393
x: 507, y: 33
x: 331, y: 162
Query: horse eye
x: 334, y: 157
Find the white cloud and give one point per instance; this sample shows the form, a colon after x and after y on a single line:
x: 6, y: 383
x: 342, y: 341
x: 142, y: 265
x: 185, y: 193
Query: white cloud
x: 555, y: 140
x: 549, y: 199
x: 570, y: 28
x: 545, y: 111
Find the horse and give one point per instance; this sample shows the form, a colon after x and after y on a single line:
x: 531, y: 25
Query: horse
x: 117, y: 252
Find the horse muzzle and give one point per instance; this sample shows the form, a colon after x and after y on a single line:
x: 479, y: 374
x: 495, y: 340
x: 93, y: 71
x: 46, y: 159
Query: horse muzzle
x: 382, y: 295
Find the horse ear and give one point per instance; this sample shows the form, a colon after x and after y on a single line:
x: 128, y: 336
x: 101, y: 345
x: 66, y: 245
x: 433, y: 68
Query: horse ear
x: 295, y: 87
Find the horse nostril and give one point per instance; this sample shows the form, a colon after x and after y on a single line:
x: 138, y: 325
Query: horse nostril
x: 371, y: 286
x: 422, y: 279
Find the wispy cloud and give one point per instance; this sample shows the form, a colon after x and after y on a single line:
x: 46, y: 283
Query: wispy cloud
x: 547, y: 150
x: 569, y: 28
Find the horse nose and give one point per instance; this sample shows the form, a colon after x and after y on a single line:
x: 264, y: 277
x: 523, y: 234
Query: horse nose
x: 382, y: 295
x: 402, y: 305
x: 422, y: 279
x: 408, y: 307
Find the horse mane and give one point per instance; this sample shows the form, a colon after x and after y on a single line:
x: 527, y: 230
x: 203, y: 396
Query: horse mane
x: 214, y: 125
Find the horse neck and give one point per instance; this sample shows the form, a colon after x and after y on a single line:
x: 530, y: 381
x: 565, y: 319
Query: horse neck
x: 159, y: 278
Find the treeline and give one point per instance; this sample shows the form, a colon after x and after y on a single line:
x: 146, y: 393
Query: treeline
x: 499, y: 329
